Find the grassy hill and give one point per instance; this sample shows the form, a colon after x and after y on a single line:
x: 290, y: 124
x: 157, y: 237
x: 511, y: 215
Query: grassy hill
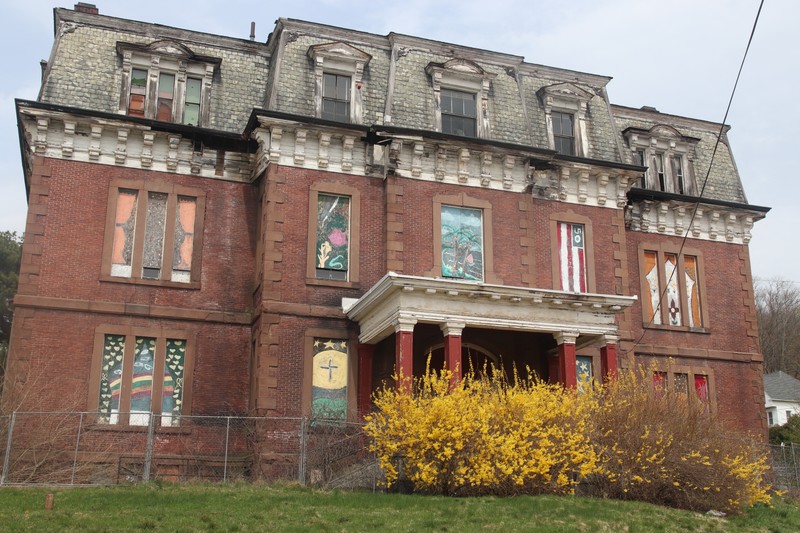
x: 191, y: 507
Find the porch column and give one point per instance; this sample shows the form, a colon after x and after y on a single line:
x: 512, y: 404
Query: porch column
x: 404, y: 352
x: 608, y: 357
x: 567, y: 372
x: 452, y: 349
x: 365, y: 354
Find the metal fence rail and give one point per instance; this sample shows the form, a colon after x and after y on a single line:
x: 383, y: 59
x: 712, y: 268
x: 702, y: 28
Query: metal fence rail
x: 79, y: 448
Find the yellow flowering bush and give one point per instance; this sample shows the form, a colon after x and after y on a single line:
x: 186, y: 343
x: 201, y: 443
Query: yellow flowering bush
x: 665, y: 448
x: 483, y: 435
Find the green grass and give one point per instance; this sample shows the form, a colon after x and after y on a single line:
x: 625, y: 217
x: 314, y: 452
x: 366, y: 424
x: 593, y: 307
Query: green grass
x: 191, y: 507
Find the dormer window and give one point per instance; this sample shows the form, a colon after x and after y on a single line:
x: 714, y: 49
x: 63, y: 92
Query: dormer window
x: 166, y: 81
x: 338, y: 71
x: 461, y: 97
x: 458, y: 113
x: 565, y: 108
x: 668, y: 155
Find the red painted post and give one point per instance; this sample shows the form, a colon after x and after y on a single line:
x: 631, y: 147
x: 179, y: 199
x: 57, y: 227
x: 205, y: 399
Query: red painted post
x: 404, y: 359
x: 365, y: 354
x: 568, y: 375
x: 608, y: 361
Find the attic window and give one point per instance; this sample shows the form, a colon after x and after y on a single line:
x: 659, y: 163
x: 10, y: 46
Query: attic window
x: 565, y: 108
x: 461, y: 97
x: 338, y: 73
x: 669, y: 156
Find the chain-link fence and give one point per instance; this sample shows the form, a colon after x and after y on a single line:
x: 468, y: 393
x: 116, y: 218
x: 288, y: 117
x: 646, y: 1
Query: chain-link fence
x: 786, y: 466
x: 81, y: 449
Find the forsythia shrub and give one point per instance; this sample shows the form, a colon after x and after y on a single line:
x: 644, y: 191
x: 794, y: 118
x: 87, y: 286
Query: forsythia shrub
x: 621, y: 440
x: 484, y: 435
x: 665, y: 448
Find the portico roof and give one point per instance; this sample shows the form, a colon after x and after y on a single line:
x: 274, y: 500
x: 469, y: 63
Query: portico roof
x: 399, y: 301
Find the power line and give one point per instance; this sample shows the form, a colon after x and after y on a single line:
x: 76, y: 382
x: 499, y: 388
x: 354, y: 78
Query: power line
x: 705, y: 181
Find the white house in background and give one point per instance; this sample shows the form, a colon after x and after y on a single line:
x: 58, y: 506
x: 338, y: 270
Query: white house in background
x: 781, y: 397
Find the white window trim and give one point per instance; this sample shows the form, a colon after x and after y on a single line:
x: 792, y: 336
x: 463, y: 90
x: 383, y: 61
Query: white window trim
x: 571, y: 99
x: 667, y: 141
x: 170, y: 58
x: 343, y: 59
x: 465, y: 76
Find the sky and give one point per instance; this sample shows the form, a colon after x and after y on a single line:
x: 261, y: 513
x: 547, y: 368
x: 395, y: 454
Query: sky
x: 680, y: 57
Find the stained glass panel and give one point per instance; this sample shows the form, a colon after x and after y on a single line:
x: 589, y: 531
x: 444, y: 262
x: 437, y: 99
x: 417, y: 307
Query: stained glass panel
x: 111, y: 379
x: 172, y: 391
x: 333, y: 236
x: 329, y: 379
x: 462, y: 243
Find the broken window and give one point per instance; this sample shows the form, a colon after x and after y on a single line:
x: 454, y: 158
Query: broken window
x: 658, y: 165
x: 136, y: 101
x: 677, y: 174
x: 459, y: 116
x: 168, y: 223
x: 129, y: 392
x: 336, y: 97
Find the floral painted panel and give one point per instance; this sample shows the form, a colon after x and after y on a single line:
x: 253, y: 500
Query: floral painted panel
x: 462, y: 243
x: 329, y: 379
x: 333, y: 236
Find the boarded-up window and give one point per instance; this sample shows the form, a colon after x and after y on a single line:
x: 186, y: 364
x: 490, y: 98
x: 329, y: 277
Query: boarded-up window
x: 329, y: 379
x: 652, y: 307
x: 137, y: 97
x: 166, y: 96
x: 172, y: 391
x: 584, y: 371
x: 462, y: 243
x: 124, y: 232
x: 701, y: 387
x: 679, y: 304
x: 572, y: 256
x: 333, y: 236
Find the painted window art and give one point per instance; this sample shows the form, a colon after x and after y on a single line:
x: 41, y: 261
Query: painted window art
x: 462, y: 243
x: 165, y: 250
x: 329, y: 379
x: 673, y: 289
x: 584, y: 371
x: 129, y: 389
x: 333, y: 236
x: 572, y: 256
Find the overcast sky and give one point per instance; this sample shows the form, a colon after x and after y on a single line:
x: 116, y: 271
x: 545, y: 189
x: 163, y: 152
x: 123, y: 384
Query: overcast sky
x: 679, y: 56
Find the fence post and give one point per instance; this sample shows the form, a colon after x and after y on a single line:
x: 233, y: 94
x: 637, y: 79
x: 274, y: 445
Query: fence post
x: 302, y: 467
x: 794, y: 466
x: 225, y: 465
x: 148, y: 453
x: 77, y: 444
x: 4, y: 477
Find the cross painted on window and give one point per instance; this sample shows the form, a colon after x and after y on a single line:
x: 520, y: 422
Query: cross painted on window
x: 330, y: 368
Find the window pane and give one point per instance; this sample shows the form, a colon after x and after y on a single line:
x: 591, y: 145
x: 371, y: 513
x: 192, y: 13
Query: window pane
x: 193, y: 86
x: 462, y: 243
x: 692, y: 291
x: 333, y: 233
x: 329, y: 85
x: 142, y: 382
x: 343, y: 88
x: 572, y: 256
x: 138, y: 78
x: 166, y: 85
x: 154, y: 235
x: 111, y: 379
x: 651, y: 275
x: 124, y: 231
x: 172, y: 391
x: 458, y: 113
x: 184, y: 239
x: 673, y: 289
x: 329, y: 379
x: 191, y: 114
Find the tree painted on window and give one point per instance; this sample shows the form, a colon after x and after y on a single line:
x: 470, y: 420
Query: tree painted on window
x: 333, y: 236
x: 462, y: 243
x: 329, y: 379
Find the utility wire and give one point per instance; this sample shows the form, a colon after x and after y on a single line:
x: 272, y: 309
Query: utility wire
x: 705, y: 182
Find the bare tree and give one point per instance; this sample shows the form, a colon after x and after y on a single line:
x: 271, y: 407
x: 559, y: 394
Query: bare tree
x: 778, y: 310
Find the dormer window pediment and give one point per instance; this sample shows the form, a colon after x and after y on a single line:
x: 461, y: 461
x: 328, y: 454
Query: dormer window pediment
x: 565, y: 108
x: 339, y: 51
x: 668, y: 154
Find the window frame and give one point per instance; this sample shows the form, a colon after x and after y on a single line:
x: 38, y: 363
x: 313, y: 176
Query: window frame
x: 661, y: 250
x: 676, y: 174
x: 567, y: 98
x: 670, y: 370
x: 464, y: 76
x: 339, y: 58
x: 172, y: 59
x: 473, y: 120
x: 346, y: 118
x: 570, y: 217
x: 463, y: 200
x: 131, y: 333
x: 143, y: 188
x: 354, y: 236
x: 559, y: 137
x: 308, y: 368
